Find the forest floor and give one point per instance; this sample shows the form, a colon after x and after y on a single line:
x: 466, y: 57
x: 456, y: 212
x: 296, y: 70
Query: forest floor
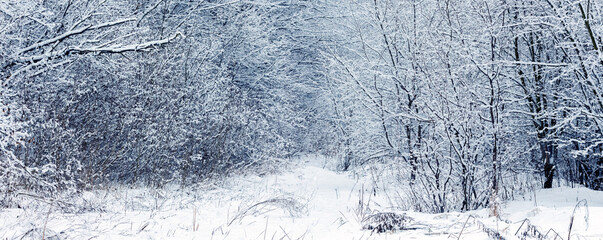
x: 308, y: 201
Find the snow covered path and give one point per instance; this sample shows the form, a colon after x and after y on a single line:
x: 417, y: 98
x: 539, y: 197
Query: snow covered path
x: 308, y: 202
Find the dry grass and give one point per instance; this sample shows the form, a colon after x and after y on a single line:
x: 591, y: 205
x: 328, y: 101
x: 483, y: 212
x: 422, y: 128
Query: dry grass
x: 288, y: 204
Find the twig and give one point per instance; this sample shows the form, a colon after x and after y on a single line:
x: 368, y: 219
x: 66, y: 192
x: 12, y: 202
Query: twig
x: 556, y: 234
x: 491, y: 232
x: 194, y: 218
x: 266, y: 228
x: 583, y: 201
x: 463, y: 229
x: 530, y: 229
x: 46, y: 222
x: 285, y: 232
x: 143, y: 227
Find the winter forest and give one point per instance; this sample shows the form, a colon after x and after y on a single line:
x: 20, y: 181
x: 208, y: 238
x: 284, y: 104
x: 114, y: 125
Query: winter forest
x: 259, y: 119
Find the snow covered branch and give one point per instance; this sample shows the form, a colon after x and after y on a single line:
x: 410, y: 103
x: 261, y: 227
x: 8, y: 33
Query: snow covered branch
x: 125, y: 48
x: 72, y: 33
x: 111, y: 49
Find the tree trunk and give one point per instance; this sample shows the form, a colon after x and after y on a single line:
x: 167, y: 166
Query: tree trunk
x: 546, y: 149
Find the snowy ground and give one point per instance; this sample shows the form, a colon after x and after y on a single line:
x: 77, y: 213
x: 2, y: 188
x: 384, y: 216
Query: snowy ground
x: 307, y: 202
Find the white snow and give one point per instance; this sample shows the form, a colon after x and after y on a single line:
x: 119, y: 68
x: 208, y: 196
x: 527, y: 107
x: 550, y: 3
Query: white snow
x: 306, y: 202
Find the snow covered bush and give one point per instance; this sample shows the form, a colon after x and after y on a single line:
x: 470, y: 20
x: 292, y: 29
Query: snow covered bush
x: 386, y: 222
x: 13, y: 173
